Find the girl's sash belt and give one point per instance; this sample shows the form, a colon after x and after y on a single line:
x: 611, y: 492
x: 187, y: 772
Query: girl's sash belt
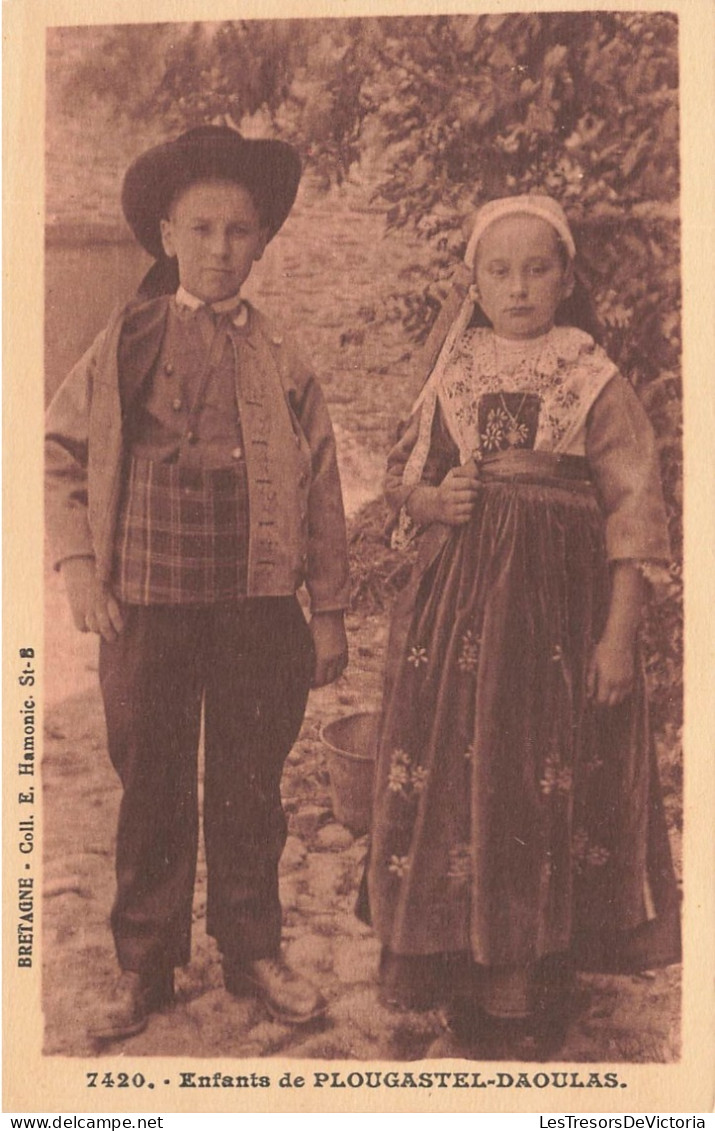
x: 545, y: 468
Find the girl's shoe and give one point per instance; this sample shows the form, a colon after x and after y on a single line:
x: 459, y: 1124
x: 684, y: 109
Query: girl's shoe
x: 554, y: 1014
x: 482, y: 1036
x: 449, y: 1046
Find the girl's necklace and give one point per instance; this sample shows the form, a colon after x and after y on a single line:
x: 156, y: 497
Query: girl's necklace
x: 514, y: 358
x: 514, y: 435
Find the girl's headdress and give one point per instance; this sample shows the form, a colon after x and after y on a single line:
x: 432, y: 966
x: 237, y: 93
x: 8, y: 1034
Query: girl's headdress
x: 543, y: 207
x: 531, y: 204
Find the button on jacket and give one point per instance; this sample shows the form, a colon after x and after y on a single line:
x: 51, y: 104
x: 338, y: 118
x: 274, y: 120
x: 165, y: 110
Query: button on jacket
x: 296, y: 520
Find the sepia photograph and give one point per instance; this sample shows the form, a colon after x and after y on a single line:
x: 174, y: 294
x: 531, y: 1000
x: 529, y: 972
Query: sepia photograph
x: 356, y: 739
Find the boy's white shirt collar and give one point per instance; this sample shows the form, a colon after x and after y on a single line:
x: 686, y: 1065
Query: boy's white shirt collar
x: 234, y: 303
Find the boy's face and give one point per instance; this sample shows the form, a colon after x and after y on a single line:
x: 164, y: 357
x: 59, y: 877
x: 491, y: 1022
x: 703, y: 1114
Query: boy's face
x: 521, y: 276
x: 215, y: 232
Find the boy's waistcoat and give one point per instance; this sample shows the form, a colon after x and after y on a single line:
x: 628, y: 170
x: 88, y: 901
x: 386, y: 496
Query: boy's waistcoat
x: 287, y: 544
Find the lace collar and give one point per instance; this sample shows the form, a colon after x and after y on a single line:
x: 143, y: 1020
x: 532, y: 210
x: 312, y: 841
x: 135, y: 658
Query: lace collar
x: 564, y: 366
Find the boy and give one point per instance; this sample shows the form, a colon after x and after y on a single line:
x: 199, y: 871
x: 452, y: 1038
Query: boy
x: 192, y: 488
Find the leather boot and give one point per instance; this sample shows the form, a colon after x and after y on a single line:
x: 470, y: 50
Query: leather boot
x: 132, y: 998
x: 286, y: 994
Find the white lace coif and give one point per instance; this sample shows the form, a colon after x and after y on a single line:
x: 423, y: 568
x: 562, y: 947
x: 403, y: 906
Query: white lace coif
x: 531, y: 204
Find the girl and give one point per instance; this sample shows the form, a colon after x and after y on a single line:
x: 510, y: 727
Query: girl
x: 518, y: 830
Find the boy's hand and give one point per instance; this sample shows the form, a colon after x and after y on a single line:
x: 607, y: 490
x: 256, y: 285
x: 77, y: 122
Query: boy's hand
x: 331, y: 647
x: 610, y: 673
x: 94, y: 607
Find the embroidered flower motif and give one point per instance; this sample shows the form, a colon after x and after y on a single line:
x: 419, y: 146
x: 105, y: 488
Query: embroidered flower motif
x: 470, y: 753
x: 517, y: 435
x: 494, y: 434
x: 557, y: 778
x: 460, y: 862
x: 468, y: 658
x: 579, y: 844
x: 398, y: 777
x: 565, y: 398
x: 594, y: 765
x: 592, y: 855
x: 399, y: 865
x: 566, y: 371
x: 419, y: 778
x: 417, y: 657
x: 502, y: 431
x: 558, y: 654
x: 403, y: 777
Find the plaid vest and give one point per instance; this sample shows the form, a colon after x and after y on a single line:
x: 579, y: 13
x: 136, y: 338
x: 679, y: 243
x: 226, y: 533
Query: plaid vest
x: 182, y: 531
x: 296, y: 517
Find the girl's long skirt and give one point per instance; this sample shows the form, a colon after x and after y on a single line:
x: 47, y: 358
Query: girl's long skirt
x: 513, y: 822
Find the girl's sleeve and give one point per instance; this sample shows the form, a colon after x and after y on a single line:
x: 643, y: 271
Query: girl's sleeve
x: 443, y: 456
x: 622, y: 453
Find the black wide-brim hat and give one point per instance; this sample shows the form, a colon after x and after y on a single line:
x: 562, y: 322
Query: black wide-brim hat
x: 269, y: 169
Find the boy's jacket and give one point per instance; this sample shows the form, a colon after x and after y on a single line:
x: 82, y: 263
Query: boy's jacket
x: 296, y: 523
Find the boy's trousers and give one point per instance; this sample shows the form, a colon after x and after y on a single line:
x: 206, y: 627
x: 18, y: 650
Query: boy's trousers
x: 251, y: 663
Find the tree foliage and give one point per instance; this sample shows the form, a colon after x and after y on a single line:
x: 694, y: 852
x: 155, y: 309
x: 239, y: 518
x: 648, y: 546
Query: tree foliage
x: 450, y: 112
x: 443, y: 113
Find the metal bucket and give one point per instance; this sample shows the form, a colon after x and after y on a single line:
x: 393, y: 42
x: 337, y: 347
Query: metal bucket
x: 350, y: 747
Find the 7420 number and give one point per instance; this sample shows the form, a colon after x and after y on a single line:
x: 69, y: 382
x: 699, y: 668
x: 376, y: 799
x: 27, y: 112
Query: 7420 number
x: 121, y: 1080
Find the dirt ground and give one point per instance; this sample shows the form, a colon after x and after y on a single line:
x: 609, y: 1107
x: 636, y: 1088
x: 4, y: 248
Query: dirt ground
x: 327, y: 277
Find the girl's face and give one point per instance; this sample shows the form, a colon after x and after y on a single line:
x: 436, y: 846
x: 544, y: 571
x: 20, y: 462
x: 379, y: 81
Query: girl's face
x: 522, y: 276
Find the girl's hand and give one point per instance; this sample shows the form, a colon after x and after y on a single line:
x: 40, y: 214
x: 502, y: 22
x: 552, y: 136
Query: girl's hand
x: 609, y: 679
x: 331, y: 647
x: 612, y: 668
x: 93, y: 605
x: 452, y: 502
x: 457, y: 494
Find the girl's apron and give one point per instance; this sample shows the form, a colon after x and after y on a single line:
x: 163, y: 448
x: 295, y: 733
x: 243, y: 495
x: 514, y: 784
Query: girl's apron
x: 513, y: 821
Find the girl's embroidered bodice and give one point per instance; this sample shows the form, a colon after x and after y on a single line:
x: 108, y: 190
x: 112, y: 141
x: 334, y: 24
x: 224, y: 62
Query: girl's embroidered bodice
x: 497, y: 393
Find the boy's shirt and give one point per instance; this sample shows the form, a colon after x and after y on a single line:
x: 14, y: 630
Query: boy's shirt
x: 296, y: 517
x: 175, y: 419
x: 235, y: 305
